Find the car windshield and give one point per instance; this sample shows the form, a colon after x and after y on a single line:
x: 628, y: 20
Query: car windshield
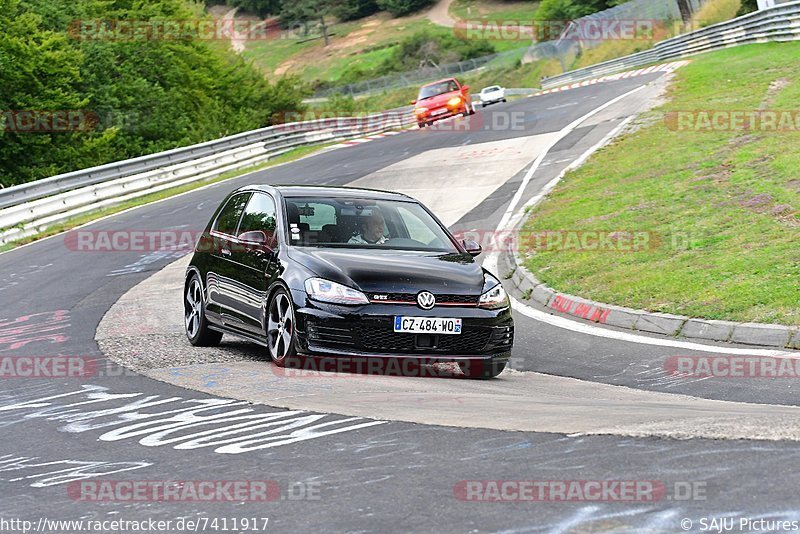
x: 349, y: 222
x: 428, y: 91
x: 490, y: 89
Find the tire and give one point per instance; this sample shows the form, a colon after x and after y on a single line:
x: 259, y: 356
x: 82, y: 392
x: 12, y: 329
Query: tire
x: 504, y: 100
x: 194, y: 315
x: 422, y: 124
x: 483, y: 104
x: 280, y: 328
x: 482, y: 369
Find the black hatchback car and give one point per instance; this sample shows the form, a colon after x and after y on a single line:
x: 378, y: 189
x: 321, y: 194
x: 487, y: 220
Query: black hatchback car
x: 343, y: 272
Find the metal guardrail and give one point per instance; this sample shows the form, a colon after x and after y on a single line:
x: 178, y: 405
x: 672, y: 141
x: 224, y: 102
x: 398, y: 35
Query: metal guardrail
x: 29, y: 208
x: 780, y: 23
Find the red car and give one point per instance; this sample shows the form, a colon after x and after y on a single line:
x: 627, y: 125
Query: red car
x: 442, y: 99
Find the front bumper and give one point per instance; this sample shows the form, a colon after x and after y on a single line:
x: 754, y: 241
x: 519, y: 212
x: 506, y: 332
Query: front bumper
x: 367, y: 331
x: 429, y: 117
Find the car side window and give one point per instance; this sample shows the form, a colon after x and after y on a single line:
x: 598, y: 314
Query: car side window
x: 228, y: 219
x: 260, y: 214
x: 417, y: 229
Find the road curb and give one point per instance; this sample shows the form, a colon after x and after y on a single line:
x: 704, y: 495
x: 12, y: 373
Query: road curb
x: 756, y: 334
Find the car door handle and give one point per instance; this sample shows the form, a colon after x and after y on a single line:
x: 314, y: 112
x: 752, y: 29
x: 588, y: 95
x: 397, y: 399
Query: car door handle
x: 225, y: 252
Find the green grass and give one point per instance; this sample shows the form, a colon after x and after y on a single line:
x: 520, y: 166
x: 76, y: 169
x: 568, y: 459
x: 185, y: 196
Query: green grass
x: 723, y: 203
x: 352, y: 44
x: 84, y: 218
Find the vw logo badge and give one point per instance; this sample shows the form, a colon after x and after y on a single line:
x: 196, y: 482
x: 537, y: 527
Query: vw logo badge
x: 426, y: 300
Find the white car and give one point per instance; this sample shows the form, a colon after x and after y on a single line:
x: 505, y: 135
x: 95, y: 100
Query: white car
x: 492, y: 94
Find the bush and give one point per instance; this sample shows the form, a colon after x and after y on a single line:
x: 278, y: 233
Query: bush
x: 561, y: 10
x: 262, y: 8
x: 354, y: 9
x: 425, y: 49
x: 399, y: 8
x: 748, y: 6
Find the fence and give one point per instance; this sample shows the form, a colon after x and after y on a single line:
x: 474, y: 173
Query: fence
x: 30, y: 208
x: 567, y: 47
x: 780, y: 23
x: 424, y: 75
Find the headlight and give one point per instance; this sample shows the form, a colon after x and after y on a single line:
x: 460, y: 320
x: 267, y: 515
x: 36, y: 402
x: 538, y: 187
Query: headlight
x: 421, y: 111
x: 327, y: 291
x: 495, y: 298
x: 455, y: 101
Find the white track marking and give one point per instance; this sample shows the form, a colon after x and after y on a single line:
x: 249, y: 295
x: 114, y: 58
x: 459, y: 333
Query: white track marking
x: 584, y: 328
x: 561, y: 135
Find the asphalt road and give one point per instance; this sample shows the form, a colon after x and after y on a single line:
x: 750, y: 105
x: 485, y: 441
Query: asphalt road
x: 370, y: 477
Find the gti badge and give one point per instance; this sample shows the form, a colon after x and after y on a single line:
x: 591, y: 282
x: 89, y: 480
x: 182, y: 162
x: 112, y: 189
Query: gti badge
x: 426, y: 300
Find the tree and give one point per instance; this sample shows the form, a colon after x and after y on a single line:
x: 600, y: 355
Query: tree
x: 354, y: 9
x: 303, y: 11
x: 399, y: 8
x: 147, y: 95
x: 262, y: 8
x: 748, y: 6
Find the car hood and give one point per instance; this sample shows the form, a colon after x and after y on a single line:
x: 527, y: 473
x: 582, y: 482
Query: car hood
x: 438, y: 100
x: 394, y: 271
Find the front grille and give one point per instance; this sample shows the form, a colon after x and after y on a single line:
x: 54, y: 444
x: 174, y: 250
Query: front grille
x: 381, y: 338
x: 376, y: 335
x: 411, y: 298
x: 330, y: 333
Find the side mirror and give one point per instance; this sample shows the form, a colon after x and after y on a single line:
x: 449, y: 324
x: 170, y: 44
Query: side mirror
x: 472, y: 248
x: 255, y: 239
x: 465, y: 88
x: 413, y: 102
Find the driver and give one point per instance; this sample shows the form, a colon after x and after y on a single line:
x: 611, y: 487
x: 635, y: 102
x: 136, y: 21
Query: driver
x: 371, y: 230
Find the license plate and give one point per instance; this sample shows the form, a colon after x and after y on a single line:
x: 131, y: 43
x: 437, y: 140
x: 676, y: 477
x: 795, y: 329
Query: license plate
x: 427, y: 325
x: 438, y: 111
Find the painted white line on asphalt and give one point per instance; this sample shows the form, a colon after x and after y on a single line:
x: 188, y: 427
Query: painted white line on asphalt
x: 561, y: 135
x: 574, y: 165
x: 583, y: 328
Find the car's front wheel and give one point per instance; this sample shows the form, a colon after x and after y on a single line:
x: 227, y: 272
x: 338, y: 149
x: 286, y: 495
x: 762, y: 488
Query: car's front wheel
x: 194, y: 313
x: 484, y: 369
x: 280, y: 328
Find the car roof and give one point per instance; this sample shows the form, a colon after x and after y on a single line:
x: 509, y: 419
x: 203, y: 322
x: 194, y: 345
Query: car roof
x: 440, y: 81
x: 328, y: 191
